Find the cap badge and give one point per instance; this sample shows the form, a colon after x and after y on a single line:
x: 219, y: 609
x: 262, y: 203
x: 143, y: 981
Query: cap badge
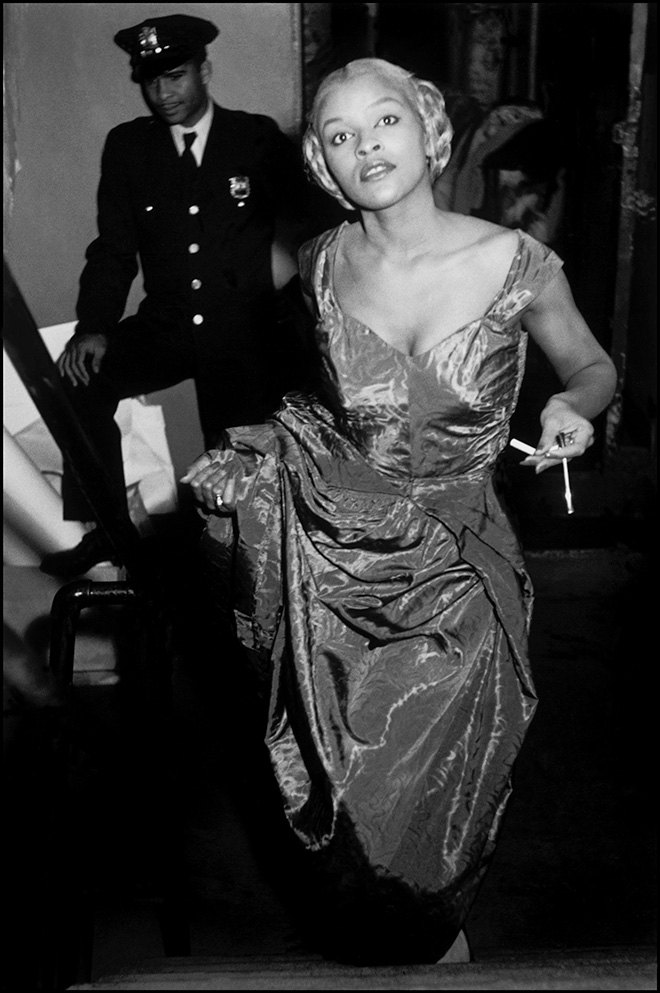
x: 239, y: 188
x: 149, y: 43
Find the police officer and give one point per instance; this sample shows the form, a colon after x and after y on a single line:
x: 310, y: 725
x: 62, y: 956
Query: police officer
x: 194, y: 192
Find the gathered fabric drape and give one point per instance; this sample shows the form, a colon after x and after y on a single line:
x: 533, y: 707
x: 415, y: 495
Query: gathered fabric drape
x: 380, y: 592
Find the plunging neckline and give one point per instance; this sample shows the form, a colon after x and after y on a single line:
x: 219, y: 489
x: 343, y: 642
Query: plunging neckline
x: 515, y: 261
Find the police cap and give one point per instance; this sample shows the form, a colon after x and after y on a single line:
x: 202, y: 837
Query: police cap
x: 163, y: 43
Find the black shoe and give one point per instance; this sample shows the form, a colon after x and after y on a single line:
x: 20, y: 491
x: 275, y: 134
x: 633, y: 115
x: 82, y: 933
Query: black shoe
x: 93, y: 548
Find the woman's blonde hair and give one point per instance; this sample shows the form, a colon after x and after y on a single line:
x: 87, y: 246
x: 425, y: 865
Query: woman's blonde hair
x: 424, y: 97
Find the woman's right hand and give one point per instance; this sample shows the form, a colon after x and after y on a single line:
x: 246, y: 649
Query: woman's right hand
x: 212, y: 482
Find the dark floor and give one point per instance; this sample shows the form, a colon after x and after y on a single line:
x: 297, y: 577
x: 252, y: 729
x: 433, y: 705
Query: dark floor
x: 575, y: 867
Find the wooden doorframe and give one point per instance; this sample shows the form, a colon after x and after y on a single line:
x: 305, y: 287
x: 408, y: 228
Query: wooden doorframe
x: 635, y: 203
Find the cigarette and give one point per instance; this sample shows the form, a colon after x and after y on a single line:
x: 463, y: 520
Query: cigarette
x: 568, y: 496
x: 522, y: 447
x: 528, y: 450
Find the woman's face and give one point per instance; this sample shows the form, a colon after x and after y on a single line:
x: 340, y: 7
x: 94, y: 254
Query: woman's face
x: 373, y: 141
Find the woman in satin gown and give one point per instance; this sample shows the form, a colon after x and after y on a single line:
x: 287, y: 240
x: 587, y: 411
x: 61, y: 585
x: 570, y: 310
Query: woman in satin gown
x: 376, y: 582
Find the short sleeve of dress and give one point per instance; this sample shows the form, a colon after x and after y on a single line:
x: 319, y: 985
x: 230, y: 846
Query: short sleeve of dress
x: 534, y: 267
x: 305, y: 265
x: 310, y: 262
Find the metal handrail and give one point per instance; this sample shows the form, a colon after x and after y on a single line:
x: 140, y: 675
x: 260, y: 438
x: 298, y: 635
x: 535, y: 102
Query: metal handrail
x: 31, y: 359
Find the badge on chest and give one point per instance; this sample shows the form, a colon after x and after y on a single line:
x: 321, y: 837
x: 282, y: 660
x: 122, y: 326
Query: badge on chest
x: 239, y: 189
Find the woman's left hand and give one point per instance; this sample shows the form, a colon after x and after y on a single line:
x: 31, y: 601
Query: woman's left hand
x: 566, y: 435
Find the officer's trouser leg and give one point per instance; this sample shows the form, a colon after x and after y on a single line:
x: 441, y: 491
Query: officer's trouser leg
x: 141, y: 358
x: 95, y: 406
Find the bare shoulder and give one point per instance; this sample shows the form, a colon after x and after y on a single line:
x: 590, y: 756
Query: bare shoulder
x: 485, y: 250
x: 483, y: 241
x: 465, y: 233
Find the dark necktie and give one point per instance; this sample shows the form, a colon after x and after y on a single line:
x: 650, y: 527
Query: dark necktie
x: 188, y: 162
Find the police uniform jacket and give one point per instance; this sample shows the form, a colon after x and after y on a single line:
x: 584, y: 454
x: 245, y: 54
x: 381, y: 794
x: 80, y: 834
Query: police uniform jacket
x: 205, y: 253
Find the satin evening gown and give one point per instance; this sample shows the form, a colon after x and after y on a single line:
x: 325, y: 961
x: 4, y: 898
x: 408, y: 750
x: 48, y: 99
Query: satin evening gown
x: 379, y: 590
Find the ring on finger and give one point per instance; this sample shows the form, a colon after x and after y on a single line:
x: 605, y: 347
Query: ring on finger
x: 566, y: 438
x: 217, y: 499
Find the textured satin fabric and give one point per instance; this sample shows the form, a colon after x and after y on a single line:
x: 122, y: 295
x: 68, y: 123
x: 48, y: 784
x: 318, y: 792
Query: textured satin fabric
x: 378, y: 586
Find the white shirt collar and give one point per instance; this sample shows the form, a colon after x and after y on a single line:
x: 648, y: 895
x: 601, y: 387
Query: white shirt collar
x: 202, y: 129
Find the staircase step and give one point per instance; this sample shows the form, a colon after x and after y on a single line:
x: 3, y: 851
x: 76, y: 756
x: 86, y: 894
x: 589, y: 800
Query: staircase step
x: 591, y: 969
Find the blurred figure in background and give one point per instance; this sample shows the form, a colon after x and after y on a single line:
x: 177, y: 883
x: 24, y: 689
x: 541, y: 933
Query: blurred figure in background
x: 507, y: 168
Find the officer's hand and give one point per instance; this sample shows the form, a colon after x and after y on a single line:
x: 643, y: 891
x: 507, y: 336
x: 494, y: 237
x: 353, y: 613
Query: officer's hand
x: 82, y: 357
x: 211, y: 482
